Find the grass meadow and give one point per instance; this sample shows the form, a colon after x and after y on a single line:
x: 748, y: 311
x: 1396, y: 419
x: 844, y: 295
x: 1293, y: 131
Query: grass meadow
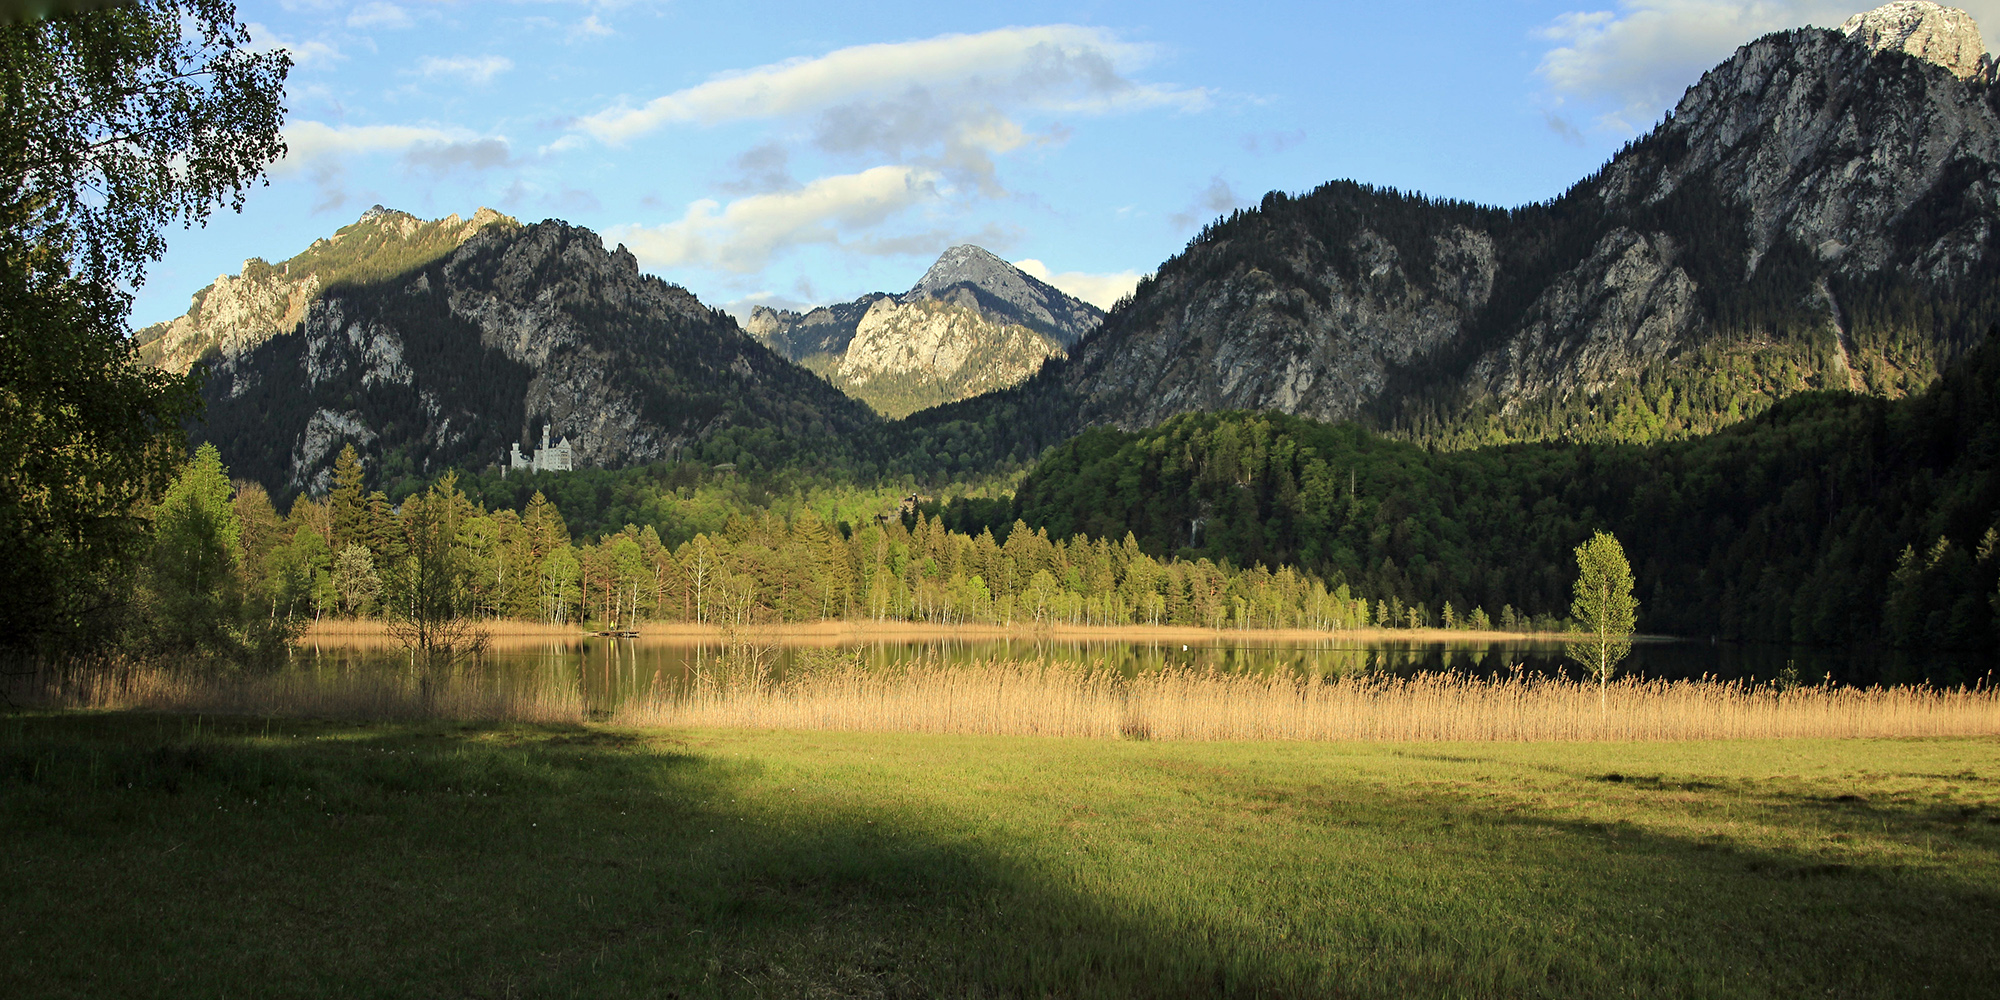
x: 168, y: 855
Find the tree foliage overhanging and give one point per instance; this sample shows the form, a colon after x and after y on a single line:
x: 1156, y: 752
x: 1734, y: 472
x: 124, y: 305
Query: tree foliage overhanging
x: 114, y: 123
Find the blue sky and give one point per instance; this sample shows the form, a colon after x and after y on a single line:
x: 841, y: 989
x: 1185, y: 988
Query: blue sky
x: 804, y: 153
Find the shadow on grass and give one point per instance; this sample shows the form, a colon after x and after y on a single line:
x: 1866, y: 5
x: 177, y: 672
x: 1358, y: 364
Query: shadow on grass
x: 169, y: 857
x: 154, y: 856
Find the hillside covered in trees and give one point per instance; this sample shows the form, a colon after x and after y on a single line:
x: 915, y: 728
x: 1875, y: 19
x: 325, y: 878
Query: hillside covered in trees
x: 1832, y: 517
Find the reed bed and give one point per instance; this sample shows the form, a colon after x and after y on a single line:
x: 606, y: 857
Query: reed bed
x: 1047, y: 698
x: 1040, y: 698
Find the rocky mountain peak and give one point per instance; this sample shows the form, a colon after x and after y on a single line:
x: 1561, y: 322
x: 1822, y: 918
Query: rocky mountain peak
x: 976, y: 278
x: 1930, y: 31
x: 238, y: 312
x: 966, y: 264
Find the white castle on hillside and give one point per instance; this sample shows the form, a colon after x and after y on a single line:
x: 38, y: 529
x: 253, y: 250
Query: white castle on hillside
x: 561, y: 457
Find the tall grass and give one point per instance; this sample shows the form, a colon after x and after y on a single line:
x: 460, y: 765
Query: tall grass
x: 1041, y: 698
x: 1047, y: 698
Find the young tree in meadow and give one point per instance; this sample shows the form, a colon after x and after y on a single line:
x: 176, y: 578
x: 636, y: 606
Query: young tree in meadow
x: 1604, y: 608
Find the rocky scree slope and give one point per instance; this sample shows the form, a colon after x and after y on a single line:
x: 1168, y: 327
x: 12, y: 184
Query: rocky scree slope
x: 1824, y: 198
x: 517, y: 328
x: 238, y: 312
x: 972, y: 324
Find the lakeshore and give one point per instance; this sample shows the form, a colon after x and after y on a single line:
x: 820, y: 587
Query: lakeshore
x: 836, y: 632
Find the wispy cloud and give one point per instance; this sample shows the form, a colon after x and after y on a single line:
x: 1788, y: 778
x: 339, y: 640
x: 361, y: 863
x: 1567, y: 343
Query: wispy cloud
x: 1262, y: 143
x: 1059, y: 67
x: 447, y: 156
x: 745, y: 234
x: 590, y: 27
x: 309, y: 143
x: 1218, y: 197
x: 321, y: 152
x: 379, y: 15
x: 307, y: 54
x: 1100, y: 290
x: 1627, y: 66
x: 471, y: 69
x: 949, y: 104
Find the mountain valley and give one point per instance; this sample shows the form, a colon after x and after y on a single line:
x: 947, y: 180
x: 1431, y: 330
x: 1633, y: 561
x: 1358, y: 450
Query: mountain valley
x: 1817, y: 215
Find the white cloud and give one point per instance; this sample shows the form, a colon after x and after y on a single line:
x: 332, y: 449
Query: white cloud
x: 943, y: 109
x: 461, y: 154
x: 743, y: 235
x: 471, y: 69
x: 311, y: 144
x: 305, y: 55
x: 1100, y: 290
x: 590, y: 27
x: 379, y: 15
x: 1059, y: 67
x: 1632, y: 64
x: 949, y: 103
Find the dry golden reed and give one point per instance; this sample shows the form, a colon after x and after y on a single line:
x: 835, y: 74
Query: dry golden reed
x: 1039, y: 698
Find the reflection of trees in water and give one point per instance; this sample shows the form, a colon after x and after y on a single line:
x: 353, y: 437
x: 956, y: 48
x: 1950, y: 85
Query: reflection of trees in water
x: 604, y: 673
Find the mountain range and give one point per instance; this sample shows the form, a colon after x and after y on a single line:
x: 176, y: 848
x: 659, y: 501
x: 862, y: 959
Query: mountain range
x: 1818, y: 211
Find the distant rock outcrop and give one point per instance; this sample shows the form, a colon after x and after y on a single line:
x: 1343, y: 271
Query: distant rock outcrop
x: 972, y: 277
x: 238, y: 312
x: 973, y: 323
x: 1930, y: 31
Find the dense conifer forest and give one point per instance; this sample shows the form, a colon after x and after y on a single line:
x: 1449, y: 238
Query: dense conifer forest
x: 1831, y: 517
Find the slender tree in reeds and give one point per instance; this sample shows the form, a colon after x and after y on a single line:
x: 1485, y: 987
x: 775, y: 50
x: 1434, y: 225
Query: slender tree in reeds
x: 429, y: 607
x: 1604, y: 609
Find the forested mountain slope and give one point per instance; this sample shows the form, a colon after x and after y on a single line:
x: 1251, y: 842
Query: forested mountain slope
x: 1832, y: 517
x: 518, y: 328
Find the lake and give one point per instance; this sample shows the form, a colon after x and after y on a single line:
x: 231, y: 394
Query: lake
x: 608, y: 671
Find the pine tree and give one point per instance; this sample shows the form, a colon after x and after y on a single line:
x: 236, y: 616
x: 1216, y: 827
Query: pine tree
x: 347, y: 504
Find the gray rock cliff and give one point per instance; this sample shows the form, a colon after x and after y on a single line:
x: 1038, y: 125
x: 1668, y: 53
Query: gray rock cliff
x: 514, y: 330
x: 238, y: 312
x: 1828, y: 197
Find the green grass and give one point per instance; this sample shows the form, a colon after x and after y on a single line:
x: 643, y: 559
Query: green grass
x: 271, y: 859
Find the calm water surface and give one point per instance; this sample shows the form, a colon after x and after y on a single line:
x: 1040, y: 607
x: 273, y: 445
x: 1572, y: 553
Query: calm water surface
x: 609, y: 671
